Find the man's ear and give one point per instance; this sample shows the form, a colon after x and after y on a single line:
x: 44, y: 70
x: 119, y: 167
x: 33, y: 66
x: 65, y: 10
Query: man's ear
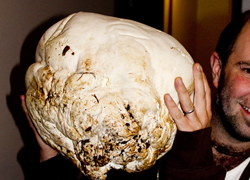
x: 216, y: 67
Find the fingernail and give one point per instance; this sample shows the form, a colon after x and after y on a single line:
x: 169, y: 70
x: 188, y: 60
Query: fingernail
x: 180, y: 81
x: 199, y: 68
x: 167, y: 96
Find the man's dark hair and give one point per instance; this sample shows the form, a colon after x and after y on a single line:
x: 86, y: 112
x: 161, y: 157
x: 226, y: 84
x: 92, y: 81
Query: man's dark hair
x: 229, y: 36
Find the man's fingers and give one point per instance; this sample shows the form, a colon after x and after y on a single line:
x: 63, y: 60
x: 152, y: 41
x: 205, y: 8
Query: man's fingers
x: 200, y: 100
x: 23, y: 104
x: 187, y: 105
x: 208, y: 96
x: 183, y: 95
x: 197, y: 114
x: 176, y: 114
x: 202, y: 96
x: 208, y: 101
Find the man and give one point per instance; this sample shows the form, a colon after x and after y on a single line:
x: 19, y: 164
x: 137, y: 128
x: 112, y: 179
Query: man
x: 231, y: 112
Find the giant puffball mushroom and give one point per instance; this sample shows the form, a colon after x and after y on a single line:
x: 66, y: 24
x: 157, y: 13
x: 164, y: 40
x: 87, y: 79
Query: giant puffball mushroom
x: 96, y: 91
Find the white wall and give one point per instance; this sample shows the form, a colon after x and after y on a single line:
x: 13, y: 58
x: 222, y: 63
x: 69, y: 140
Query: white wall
x: 22, y: 22
x: 245, y: 5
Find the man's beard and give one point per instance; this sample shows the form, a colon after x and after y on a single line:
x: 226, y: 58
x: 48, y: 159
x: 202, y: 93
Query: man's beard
x: 227, y: 116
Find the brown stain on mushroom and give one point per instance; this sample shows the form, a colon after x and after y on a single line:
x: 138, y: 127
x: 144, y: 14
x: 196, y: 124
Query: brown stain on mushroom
x: 65, y: 50
x: 87, y: 64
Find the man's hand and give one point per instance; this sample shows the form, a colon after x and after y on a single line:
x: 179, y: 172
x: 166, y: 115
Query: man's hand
x: 196, y: 115
x: 46, y: 152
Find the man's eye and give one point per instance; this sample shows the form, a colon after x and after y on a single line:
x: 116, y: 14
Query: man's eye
x: 247, y: 70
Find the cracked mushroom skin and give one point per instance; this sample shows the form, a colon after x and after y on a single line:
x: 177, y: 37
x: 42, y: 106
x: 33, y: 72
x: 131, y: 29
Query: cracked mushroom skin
x: 96, y: 91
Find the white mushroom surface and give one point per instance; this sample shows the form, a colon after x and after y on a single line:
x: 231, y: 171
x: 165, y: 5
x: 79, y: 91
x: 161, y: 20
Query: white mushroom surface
x: 96, y: 91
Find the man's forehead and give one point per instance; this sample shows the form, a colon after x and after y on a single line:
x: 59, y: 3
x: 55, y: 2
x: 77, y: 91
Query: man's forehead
x: 244, y: 35
x: 242, y: 44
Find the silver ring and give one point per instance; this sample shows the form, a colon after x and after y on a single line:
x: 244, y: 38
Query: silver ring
x: 189, y: 112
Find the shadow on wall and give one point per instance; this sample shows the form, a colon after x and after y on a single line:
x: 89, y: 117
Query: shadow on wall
x: 27, y: 56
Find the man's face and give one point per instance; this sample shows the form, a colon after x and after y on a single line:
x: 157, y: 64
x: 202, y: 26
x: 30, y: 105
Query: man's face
x: 234, y: 88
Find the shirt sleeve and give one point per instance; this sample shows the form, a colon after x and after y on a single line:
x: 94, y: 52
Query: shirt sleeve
x: 191, y: 158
